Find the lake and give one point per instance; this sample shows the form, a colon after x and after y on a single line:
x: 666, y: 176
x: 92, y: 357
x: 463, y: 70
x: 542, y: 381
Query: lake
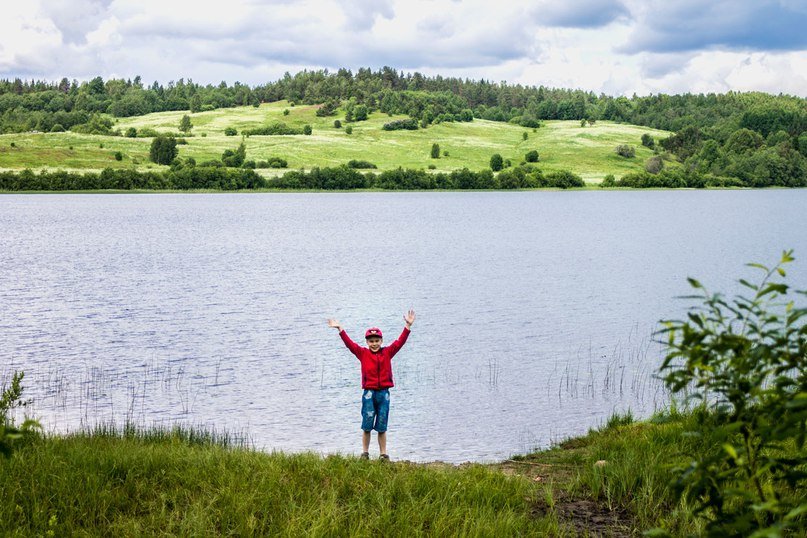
x: 535, y: 310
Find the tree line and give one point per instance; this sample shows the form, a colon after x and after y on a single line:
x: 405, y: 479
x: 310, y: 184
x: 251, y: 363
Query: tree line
x: 39, y: 105
x: 184, y: 175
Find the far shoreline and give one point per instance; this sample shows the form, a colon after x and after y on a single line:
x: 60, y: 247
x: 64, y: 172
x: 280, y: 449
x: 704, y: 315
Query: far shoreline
x: 592, y: 188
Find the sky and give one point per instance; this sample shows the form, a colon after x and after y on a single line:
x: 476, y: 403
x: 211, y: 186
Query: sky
x: 616, y: 47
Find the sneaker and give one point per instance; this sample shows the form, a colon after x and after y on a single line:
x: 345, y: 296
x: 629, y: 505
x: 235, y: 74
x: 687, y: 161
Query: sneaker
x: 383, y: 457
x: 365, y: 456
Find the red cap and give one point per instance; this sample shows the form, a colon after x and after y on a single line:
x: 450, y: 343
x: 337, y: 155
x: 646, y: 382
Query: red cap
x: 374, y: 331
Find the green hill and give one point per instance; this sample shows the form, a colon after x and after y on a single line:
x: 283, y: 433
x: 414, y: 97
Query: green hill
x: 562, y: 145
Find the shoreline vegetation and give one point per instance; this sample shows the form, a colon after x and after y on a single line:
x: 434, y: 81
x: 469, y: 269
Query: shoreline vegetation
x: 189, y: 177
x: 613, y: 481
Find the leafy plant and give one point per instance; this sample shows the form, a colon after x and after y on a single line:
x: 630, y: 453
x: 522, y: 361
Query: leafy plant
x: 624, y: 150
x: 746, y: 360
x: 11, y: 398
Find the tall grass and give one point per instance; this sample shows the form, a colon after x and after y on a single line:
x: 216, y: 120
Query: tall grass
x: 126, y: 483
x: 145, y: 481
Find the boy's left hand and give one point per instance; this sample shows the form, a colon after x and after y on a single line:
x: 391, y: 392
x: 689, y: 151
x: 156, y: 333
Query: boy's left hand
x: 409, y: 318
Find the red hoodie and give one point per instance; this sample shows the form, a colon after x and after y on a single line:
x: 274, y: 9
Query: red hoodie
x: 376, y: 368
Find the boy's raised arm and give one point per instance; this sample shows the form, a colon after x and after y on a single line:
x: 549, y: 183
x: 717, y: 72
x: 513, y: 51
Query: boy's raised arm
x: 409, y: 319
x: 350, y: 344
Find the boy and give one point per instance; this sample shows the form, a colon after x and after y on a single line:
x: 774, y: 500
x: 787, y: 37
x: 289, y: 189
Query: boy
x: 376, y: 380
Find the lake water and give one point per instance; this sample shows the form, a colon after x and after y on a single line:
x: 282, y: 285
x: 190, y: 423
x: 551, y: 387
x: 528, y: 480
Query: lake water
x: 534, y: 309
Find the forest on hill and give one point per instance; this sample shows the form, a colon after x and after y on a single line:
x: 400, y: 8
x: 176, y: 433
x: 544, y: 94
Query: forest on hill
x: 759, y: 139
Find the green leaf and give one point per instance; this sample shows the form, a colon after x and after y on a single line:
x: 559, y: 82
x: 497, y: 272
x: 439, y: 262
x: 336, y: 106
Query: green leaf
x: 747, y: 284
x: 757, y: 266
x: 694, y: 283
x: 796, y: 512
x: 730, y: 450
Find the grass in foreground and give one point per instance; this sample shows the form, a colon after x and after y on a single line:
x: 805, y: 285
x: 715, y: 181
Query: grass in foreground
x: 137, y: 484
x: 182, y: 482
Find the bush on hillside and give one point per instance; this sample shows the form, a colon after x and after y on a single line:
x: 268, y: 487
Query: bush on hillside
x: 163, y: 149
x: 353, y: 163
x: 407, y: 124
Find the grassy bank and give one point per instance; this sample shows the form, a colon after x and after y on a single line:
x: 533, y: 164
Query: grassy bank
x: 562, y: 145
x: 147, y: 485
x: 144, y: 483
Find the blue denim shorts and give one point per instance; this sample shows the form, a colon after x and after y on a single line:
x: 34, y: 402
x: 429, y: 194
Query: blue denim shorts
x: 374, y: 410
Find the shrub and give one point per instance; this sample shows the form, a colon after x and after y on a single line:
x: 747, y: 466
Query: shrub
x: 496, y: 162
x: 654, y: 164
x: 608, y: 181
x: 407, y: 124
x: 185, y: 124
x: 349, y: 129
x: 625, y: 150
x: 273, y: 129
x: 234, y: 159
x: 648, y: 141
x: 328, y: 108
x: 147, y: 132
x: 435, y: 151
x: 272, y: 162
x: 96, y: 125
x: 531, y: 156
x: 563, y: 179
x: 131, y: 132
x: 307, y: 129
x: 744, y: 359
x: 286, y: 110
x: 163, y: 149
x: 11, y: 398
x: 445, y: 153
x: 524, y: 135
x: 432, y: 167
x: 118, y: 156
x: 230, y: 131
x: 353, y: 163
x: 529, y: 121
x: 337, y: 124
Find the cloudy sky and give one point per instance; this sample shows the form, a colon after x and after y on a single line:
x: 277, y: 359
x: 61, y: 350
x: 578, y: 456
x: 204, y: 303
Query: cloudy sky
x: 611, y: 46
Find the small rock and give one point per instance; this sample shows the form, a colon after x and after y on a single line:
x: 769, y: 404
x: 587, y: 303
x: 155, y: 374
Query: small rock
x: 600, y: 463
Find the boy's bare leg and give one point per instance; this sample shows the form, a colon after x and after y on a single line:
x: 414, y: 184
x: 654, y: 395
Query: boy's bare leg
x: 382, y: 442
x: 365, y: 441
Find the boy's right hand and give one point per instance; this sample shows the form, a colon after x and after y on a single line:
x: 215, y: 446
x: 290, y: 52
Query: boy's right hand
x: 335, y: 324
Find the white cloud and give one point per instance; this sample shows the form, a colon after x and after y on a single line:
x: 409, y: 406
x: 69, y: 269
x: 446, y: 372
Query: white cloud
x: 611, y: 46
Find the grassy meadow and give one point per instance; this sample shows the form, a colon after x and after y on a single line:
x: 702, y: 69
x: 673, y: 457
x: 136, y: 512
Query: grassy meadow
x: 562, y: 145
x: 612, y: 482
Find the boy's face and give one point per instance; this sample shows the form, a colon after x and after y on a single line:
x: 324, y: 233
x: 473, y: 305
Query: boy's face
x: 374, y: 343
